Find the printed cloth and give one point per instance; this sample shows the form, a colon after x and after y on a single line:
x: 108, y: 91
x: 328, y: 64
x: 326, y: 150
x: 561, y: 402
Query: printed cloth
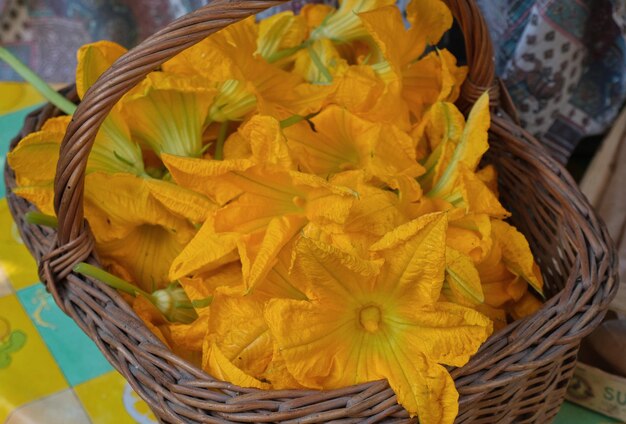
x: 564, y: 64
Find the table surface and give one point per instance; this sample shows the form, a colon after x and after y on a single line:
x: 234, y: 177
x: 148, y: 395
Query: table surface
x: 56, y: 375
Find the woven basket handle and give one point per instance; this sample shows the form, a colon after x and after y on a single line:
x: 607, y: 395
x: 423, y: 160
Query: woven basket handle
x: 181, y: 34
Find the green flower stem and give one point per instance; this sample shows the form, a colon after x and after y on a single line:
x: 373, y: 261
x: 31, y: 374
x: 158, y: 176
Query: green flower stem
x: 40, y: 85
x: 281, y: 54
x: 38, y: 218
x: 319, y: 65
x: 202, y: 303
x: 221, y: 137
x: 292, y: 120
x: 109, y: 279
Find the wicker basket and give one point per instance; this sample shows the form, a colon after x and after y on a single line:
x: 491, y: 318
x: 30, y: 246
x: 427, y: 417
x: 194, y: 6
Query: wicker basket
x: 519, y: 375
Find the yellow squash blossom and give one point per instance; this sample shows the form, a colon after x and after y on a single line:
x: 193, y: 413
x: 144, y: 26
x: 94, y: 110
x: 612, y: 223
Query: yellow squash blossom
x: 319, y: 62
x: 274, y: 205
x: 436, y: 77
x: 113, y: 151
x: 164, y: 114
x: 363, y: 92
x: 314, y: 14
x: 525, y: 306
x: 134, y: 230
x: 471, y: 235
x: 34, y: 162
x: 421, y: 80
x: 184, y: 340
x: 369, y: 320
x: 374, y: 214
x: 202, y: 285
x: 462, y: 285
x: 344, y: 24
x: 140, y: 224
x: 264, y: 202
x: 245, y: 81
x: 35, y: 158
x: 167, y: 113
x: 280, y: 35
x: 505, y: 272
x: 240, y: 339
x: 464, y: 154
x: 238, y: 329
x: 342, y: 142
x: 516, y: 254
x: 430, y: 19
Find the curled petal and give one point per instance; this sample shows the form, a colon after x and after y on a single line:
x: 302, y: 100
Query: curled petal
x: 414, y: 256
x: 205, y: 252
x: 93, y: 60
x: 219, y: 366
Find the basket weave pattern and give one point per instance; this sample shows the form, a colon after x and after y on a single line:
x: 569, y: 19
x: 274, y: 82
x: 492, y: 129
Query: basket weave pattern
x: 519, y: 375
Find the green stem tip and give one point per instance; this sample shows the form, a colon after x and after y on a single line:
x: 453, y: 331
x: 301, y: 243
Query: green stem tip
x: 221, y: 137
x: 109, y: 279
x: 38, y: 218
x: 294, y: 119
x: 40, y: 85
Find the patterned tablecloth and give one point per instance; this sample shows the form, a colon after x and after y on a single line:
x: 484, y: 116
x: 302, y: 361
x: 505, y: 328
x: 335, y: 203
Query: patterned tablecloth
x: 51, y: 372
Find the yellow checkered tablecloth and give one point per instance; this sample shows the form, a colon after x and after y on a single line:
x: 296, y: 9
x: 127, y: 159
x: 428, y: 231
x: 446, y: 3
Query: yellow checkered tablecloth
x: 50, y: 371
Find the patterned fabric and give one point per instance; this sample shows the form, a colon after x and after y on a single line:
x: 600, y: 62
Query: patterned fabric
x: 46, y: 33
x: 562, y: 60
x: 564, y: 64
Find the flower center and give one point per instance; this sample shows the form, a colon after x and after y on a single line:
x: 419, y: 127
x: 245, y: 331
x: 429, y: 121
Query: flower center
x: 299, y: 201
x: 369, y: 318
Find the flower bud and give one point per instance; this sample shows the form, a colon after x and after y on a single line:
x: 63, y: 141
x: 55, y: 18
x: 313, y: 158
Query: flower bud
x: 174, y: 304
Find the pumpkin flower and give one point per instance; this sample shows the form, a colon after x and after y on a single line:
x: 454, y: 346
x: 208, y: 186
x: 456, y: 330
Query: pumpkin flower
x: 241, y: 343
x: 429, y: 19
x: 34, y: 162
x: 113, y: 150
x: 133, y: 230
x: 244, y: 80
x: 274, y: 205
x: 369, y: 320
x: 280, y: 35
x: 239, y: 339
x: 265, y: 202
x: 364, y: 93
x: 421, y: 80
x: 164, y: 114
x: 319, y: 62
x: 463, y: 284
x: 139, y: 223
x: 458, y: 151
x: 374, y: 214
x: 167, y: 113
x: 344, y: 24
x: 342, y: 141
x: 505, y: 274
